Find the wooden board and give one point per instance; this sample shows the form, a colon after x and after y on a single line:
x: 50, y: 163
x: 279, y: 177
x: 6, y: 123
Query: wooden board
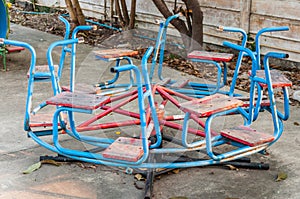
x: 112, y: 54
x: 78, y: 100
x: 278, y: 79
x: 247, y: 136
x: 129, y: 149
x: 42, y: 71
x: 209, y: 105
x: 12, y: 49
x: 214, y: 56
x: 43, y: 120
x: 83, y: 88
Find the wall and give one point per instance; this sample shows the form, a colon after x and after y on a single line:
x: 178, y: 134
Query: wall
x: 251, y: 15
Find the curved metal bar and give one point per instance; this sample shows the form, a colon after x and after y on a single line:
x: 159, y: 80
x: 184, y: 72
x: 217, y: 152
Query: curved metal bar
x: 81, y: 28
x: 141, y: 96
x: 257, y: 39
x: 54, y: 79
x: 240, y: 56
x: 252, y: 76
x: 30, y: 80
x: 67, y: 26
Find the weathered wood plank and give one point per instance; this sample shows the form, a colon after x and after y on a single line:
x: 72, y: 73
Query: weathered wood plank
x: 221, y: 4
x: 258, y: 22
x: 278, y: 8
x: 245, y: 6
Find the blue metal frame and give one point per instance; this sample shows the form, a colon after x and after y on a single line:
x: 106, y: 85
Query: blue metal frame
x: 257, y: 55
x: 145, y: 92
x: 4, y: 20
x: 48, y: 76
x: 192, y: 88
x: 142, y: 95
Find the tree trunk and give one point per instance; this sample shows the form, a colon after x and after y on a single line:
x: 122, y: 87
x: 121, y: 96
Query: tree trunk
x: 111, y: 10
x: 132, y: 14
x: 191, y: 34
x: 125, y: 12
x: 197, y: 24
x: 71, y: 11
x: 79, y: 13
x: 177, y: 23
x: 119, y: 13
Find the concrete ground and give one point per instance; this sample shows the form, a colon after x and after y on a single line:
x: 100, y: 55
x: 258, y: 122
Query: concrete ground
x: 80, y: 180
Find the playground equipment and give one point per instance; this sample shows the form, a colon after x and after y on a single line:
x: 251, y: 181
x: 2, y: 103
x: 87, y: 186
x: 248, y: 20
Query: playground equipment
x: 184, y: 86
x: 198, y: 90
x: 209, y: 107
x: 187, y: 87
x: 42, y: 73
x: 147, y: 144
x: 4, y: 31
x: 4, y: 22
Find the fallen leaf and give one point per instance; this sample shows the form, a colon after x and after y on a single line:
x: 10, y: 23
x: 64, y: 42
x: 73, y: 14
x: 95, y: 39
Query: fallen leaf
x: 92, y: 167
x: 296, y: 124
x: 32, y: 168
x: 231, y: 167
x: 281, y: 176
x: 81, y: 165
x: 52, y: 162
x: 139, y: 177
x: 176, y: 171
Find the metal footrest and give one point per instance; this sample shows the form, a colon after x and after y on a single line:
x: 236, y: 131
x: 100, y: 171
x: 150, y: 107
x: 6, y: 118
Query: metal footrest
x: 247, y: 136
x: 43, y: 120
x: 83, y: 88
x: 128, y: 149
x: 214, y: 56
x: 208, y: 105
x: 12, y: 49
x: 78, y: 100
x: 180, y: 83
x: 278, y: 79
x: 42, y: 72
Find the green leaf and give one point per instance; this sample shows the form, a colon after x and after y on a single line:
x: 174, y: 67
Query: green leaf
x: 32, y: 168
x: 281, y: 176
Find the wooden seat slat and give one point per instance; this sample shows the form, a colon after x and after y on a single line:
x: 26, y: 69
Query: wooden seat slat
x: 78, y: 100
x: 214, y: 56
x: 278, y: 79
x: 247, y: 136
x: 128, y: 149
x: 43, y: 119
x: 42, y: 71
x: 209, y: 105
x: 83, y: 88
x: 12, y: 49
